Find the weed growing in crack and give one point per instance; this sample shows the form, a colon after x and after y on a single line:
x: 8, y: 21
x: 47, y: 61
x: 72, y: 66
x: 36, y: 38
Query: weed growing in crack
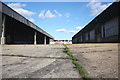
x: 78, y: 66
x: 35, y: 56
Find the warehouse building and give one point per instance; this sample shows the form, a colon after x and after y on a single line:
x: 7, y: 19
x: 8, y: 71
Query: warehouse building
x: 104, y: 28
x: 16, y: 29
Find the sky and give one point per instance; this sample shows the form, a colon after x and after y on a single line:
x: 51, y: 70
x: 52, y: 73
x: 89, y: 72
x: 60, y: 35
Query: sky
x: 62, y: 20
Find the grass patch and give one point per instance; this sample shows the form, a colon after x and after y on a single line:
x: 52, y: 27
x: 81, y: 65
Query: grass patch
x: 14, y: 55
x: 84, y: 47
x: 97, y: 51
x: 73, y: 58
x: 87, y: 47
x: 109, y: 50
x: 45, y: 57
x: 6, y: 49
x: 21, y: 56
x: 78, y: 66
x: 36, y: 56
x: 80, y: 69
x: 57, y: 48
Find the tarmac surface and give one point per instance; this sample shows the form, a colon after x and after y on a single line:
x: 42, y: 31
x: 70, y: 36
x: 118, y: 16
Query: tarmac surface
x: 98, y: 60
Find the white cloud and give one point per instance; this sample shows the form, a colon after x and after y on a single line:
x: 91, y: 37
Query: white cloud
x: 23, y: 12
x: 61, y: 30
x: 97, y: 7
x: 48, y: 14
x: 67, y: 20
x: 57, y: 13
x: 72, y: 32
x: 78, y: 27
x: 67, y: 15
x: 41, y: 15
x: 16, y: 5
x: 65, y: 31
x: 18, y: 8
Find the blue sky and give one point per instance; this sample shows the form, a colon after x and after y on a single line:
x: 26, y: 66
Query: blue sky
x: 60, y: 19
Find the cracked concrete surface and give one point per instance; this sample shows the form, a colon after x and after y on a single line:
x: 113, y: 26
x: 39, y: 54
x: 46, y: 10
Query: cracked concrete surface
x: 98, y: 60
x: 25, y: 67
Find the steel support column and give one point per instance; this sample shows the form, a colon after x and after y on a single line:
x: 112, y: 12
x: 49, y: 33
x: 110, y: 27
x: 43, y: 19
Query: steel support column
x: 3, y: 30
x: 45, y: 40
x: 35, y: 36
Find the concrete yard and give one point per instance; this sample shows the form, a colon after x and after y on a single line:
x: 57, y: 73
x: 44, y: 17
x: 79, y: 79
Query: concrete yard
x: 24, y: 67
x: 98, y: 60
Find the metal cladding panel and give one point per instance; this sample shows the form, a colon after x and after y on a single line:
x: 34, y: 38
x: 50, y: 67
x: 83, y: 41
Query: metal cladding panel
x: 40, y: 30
x: 0, y: 21
x: 102, y: 33
x: 0, y: 7
x: 78, y: 39
x: 92, y: 34
x: 75, y: 39
x: 6, y: 10
x: 81, y: 38
x: 31, y: 25
x: 98, y: 38
x: 25, y: 21
x: 107, y: 14
x: 111, y: 27
x: 86, y: 36
x: 17, y: 16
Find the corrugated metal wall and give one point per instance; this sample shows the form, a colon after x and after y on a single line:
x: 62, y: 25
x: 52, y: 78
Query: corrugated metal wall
x: 0, y: 21
x: 81, y: 38
x: 101, y: 32
x: 111, y: 27
x: 86, y: 36
x: 104, y: 27
x: 92, y: 34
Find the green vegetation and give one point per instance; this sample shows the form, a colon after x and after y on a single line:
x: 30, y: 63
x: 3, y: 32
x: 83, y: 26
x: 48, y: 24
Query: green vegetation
x: 21, y: 56
x: 109, y: 50
x: 57, y: 48
x: 36, y: 56
x: 78, y: 66
x: 73, y: 58
x: 14, y: 55
x: 6, y: 49
x: 97, y: 51
x: 80, y: 69
x: 87, y: 47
